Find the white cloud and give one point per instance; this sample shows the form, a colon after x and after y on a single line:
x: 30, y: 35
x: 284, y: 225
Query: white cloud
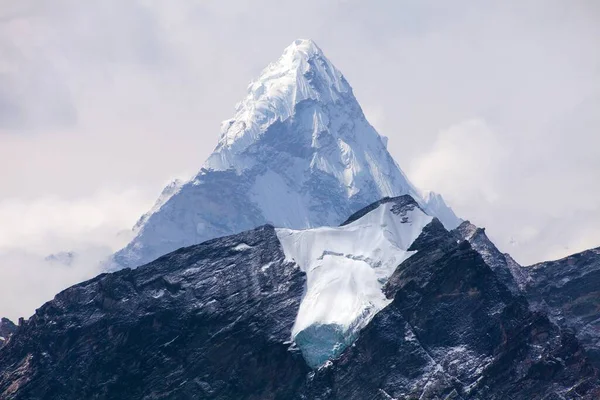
x: 50, y: 224
x: 462, y: 164
x: 527, y: 202
x: 31, y: 230
x: 28, y: 280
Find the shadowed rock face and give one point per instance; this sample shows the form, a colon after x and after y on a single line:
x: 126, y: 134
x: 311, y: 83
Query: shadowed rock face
x: 202, y: 322
x: 508, y: 270
x: 484, y: 334
x: 569, y: 291
x: 213, y: 321
x: 7, y: 328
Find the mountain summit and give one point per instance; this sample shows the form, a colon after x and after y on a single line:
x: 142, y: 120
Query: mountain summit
x: 299, y: 153
x: 301, y: 74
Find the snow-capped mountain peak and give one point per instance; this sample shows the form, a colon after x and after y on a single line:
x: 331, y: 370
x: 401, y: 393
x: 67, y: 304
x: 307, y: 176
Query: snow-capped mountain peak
x: 299, y: 153
x: 301, y: 73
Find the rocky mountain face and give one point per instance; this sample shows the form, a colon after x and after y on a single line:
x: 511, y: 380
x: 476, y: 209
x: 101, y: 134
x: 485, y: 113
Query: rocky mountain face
x: 7, y: 328
x: 569, y: 291
x: 207, y: 321
x: 299, y: 153
x: 216, y: 321
x: 513, y: 275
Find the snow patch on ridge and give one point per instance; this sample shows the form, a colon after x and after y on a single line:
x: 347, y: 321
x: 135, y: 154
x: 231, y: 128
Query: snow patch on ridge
x: 346, y: 268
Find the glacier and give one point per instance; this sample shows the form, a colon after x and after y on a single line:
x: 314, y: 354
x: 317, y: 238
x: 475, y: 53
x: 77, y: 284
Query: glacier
x: 299, y: 153
x: 346, y: 268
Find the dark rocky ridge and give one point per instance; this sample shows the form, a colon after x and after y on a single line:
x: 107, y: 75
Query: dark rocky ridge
x: 202, y: 322
x: 569, y: 291
x: 7, y: 328
x: 213, y: 321
x: 508, y: 270
x: 401, y: 204
x: 479, y: 331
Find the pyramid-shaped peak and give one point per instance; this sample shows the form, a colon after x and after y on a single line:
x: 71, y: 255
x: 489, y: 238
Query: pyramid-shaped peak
x: 304, y: 69
x: 298, y: 153
x: 306, y: 48
x: 303, y: 58
x: 301, y: 74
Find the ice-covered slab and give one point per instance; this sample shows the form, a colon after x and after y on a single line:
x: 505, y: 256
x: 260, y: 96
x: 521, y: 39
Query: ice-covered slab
x: 346, y: 268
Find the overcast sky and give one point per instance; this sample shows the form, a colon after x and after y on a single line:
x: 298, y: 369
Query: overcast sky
x: 494, y: 104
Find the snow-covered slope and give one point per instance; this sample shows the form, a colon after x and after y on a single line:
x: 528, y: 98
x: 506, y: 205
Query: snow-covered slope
x: 171, y: 189
x: 346, y: 268
x: 299, y: 153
